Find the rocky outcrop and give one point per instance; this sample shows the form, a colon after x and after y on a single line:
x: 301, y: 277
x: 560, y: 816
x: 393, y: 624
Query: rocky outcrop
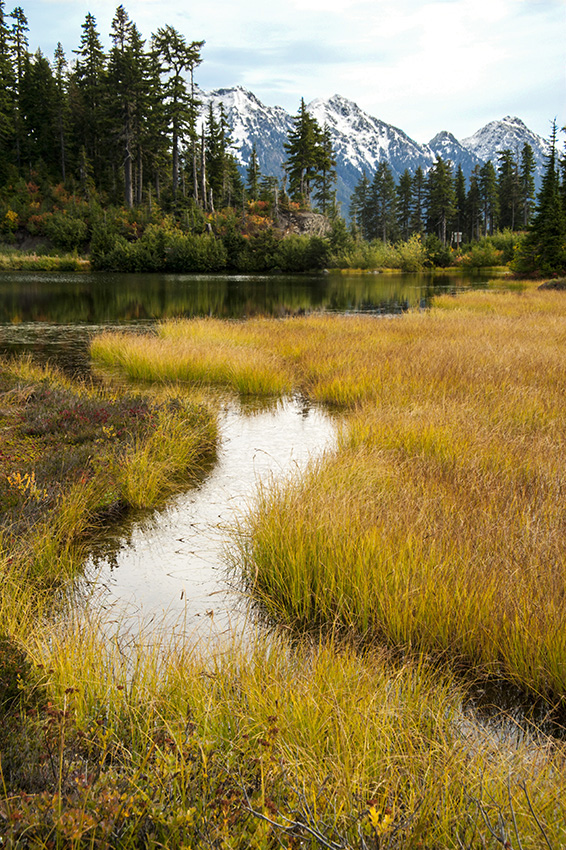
x: 303, y: 223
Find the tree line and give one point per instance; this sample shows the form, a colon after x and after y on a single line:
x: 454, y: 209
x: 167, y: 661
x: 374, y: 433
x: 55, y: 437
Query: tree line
x: 125, y: 123
x: 443, y: 203
x: 122, y: 122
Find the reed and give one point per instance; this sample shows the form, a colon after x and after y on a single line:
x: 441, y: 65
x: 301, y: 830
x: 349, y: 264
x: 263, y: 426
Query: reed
x: 163, y: 741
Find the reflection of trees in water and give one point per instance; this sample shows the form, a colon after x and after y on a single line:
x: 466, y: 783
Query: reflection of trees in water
x: 98, y: 299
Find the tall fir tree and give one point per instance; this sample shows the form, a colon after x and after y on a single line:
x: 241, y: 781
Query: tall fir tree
x: 7, y: 96
x: 253, y: 175
x: 359, y: 205
x: 383, y: 200
x: 544, y: 247
x: 508, y: 189
x: 527, y: 183
x: 489, y: 197
x: 178, y: 58
x: 418, y: 201
x: 87, y: 97
x: 440, y: 198
x: 303, y: 155
x: 404, y: 201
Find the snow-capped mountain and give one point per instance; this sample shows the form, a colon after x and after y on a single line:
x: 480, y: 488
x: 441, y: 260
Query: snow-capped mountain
x: 509, y: 133
x: 359, y: 140
x: 251, y: 122
x: 447, y: 146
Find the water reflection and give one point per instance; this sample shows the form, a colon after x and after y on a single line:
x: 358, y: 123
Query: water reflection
x: 172, y: 563
x: 53, y: 316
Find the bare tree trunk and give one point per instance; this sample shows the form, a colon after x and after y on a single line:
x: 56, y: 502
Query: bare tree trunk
x: 203, y: 172
x: 139, y: 198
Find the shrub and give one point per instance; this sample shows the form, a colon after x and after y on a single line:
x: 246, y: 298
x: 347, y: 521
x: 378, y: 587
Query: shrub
x: 65, y: 231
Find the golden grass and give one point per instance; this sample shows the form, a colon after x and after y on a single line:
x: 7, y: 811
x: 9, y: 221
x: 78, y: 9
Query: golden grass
x: 194, y: 739
x: 439, y: 523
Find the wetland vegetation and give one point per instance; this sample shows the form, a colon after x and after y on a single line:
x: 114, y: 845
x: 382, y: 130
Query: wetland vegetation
x: 424, y: 552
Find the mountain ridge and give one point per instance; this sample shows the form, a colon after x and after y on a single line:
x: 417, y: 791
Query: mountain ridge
x: 360, y: 141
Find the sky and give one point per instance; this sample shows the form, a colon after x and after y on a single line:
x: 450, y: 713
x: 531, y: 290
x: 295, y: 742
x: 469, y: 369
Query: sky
x: 421, y: 65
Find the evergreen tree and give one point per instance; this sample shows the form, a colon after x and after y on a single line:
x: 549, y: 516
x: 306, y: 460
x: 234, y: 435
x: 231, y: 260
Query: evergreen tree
x: 418, y: 201
x: 359, y: 205
x: 458, y: 221
x: 508, y: 189
x: 527, y: 183
x: 404, y: 203
x: 38, y: 115
x: 383, y: 199
x: 474, y: 206
x: 440, y: 198
x: 303, y: 155
x: 125, y: 85
x: 7, y: 94
x: 87, y: 90
x: 178, y: 58
x: 19, y: 49
x: 544, y: 247
x: 60, y: 78
x: 325, y: 178
x: 253, y: 175
x: 489, y: 197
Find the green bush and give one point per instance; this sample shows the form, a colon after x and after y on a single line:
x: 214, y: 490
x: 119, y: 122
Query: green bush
x: 483, y: 255
x: 65, y: 232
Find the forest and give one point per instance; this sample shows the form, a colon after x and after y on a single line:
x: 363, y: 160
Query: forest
x: 104, y: 155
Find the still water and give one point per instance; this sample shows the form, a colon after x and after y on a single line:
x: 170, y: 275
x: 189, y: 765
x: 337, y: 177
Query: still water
x: 54, y: 315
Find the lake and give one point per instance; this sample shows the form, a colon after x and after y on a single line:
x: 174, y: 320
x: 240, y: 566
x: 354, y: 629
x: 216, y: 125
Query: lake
x: 54, y: 315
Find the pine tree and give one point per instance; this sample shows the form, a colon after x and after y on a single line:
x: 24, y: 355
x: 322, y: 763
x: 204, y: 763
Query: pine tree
x: 177, y: 58
x: 383, y: 199
x: 508, y: 189
x: 86, y: 96
x: 418, y: 201
x: 303, y: 155
x: 440, y: 198
x: 527, y: 183
x: 489, y: 197
x: 253, y: 175
x: 474, y: 206
x: 325, y: 178
x: 60, y: 66
x: 359, y: 203
x: 544, y: 247
x: 125, y: 74
x: 38, y: 115
x: 19, y: 49
x: 404, y: 201
x: 460, y: 203
x: 7, y: 95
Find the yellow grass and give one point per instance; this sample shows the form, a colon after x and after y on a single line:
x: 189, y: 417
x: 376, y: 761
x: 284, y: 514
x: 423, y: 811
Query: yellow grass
x: 439, y: 522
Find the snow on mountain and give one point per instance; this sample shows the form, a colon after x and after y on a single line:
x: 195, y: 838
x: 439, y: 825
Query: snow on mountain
x: 508, y: 133
x: 447, y: 146
x: 363, y: 141
x: 251, y: 122
x: 359, y: 140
